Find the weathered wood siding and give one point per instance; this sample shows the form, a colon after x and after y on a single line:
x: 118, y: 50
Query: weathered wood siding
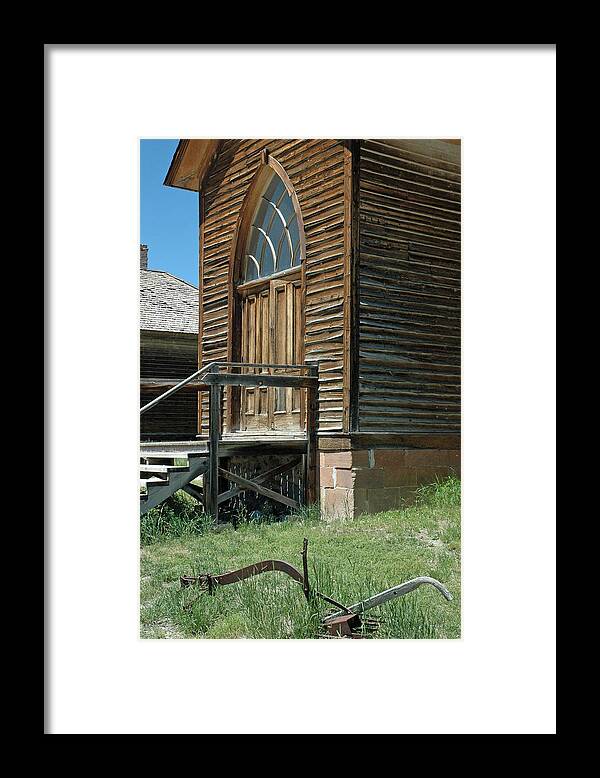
x: 409, y: 287
x: 173, y: 356
x: 316, y: 170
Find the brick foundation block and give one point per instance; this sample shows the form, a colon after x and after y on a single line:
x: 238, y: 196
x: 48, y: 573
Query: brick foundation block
x: 337, y: 503
x: 375, y: 480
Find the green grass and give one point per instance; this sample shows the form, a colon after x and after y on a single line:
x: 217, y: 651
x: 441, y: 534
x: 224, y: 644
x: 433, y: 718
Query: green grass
x: 178, y: 517
x: 348, y: 560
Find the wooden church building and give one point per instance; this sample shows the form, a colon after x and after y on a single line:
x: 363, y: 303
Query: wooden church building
x: 343, y: 255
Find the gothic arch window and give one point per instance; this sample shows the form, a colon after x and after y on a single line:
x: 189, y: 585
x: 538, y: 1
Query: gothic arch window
x: 272, y: 242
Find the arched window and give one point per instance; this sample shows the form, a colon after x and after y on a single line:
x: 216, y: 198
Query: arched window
x: 273, y: 241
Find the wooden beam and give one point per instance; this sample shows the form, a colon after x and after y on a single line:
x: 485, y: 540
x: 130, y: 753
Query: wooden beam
x: 415, y: 440
x: 310, y: 476
x: 233, y: 379
x: 212, y: 491
x: 354, y: 302
x: 195, y: 492
x: 147, y: 384
x: 253, y: 486
x: 261, y: 478
x: 362, y: 440
x: 350, y: 352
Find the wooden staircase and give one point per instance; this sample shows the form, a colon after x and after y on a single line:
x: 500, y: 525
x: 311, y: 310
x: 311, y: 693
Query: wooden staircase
x: 159, y: 481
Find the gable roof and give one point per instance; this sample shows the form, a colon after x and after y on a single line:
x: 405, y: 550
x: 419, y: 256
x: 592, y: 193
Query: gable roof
x: 167, y: 303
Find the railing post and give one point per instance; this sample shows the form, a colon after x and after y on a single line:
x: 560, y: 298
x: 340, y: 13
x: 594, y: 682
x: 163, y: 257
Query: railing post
x: 310, y: 475
x: 212, y: 490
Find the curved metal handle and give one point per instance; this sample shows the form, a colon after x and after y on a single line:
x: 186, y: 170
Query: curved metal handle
x: 391, y: 594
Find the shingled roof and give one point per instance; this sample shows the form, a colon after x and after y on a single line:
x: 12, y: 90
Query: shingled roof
x: 167, y: 303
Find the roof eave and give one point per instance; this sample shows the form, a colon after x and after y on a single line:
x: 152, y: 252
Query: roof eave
x: 171, y: 176
x: 190, y: 163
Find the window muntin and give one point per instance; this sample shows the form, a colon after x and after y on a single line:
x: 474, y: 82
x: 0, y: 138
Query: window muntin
x: 273, y: 242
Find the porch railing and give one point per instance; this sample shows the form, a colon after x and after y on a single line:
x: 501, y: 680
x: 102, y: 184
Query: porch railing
x: 195, y: 377
x: 212, y: 379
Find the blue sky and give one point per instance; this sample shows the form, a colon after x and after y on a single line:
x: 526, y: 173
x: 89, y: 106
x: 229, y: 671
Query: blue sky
x: 169, y: 217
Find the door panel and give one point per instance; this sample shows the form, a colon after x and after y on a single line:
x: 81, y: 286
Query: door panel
x: 297, y: 355
x: 265, y: 354
x: 272, y: 332
x: 255, y: 345
x: 279, y: 318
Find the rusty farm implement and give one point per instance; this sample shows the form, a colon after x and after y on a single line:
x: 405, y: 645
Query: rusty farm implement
x: 344, y: 621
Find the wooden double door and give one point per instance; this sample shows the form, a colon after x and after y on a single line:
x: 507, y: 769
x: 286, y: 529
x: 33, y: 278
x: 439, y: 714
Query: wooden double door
x: 272, y: 333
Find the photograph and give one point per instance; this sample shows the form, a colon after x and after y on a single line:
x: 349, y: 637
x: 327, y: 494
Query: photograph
x: 314, y: 347
x: 300, y: 388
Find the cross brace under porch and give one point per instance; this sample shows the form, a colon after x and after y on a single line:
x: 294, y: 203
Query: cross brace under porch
x: 215, y: 381
x: 256, y: 485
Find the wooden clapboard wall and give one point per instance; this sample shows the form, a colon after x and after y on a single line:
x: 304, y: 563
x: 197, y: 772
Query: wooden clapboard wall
x: 409, y: 287
x: 316, y: 170
x: 168, y: 356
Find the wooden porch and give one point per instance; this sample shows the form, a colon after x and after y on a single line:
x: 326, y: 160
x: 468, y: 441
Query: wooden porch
x: 161, y: 477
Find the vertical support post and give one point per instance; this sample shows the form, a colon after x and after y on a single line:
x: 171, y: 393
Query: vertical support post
x: 305, y: 584
x: 212, y: 490
x: 310, y: 479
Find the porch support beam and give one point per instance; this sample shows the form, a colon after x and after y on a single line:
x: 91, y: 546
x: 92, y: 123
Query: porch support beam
x: 261, y: 478
x: 253, y: 486
x: 212, y: 490
x: 259, y: 379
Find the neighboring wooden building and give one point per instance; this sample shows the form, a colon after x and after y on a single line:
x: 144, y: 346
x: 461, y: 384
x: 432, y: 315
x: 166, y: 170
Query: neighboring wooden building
x: 168, y: 350
x: 345, y: 252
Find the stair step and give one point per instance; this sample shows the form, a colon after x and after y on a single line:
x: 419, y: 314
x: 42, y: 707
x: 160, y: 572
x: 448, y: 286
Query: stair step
x: 172, y: 455
x: 151, y: 460
x: 163, y: 468
x: 163, y: 472
x: 148, y: 482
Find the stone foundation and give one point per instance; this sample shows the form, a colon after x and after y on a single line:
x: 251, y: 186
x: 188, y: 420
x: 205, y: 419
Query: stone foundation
x: 373, y: 480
